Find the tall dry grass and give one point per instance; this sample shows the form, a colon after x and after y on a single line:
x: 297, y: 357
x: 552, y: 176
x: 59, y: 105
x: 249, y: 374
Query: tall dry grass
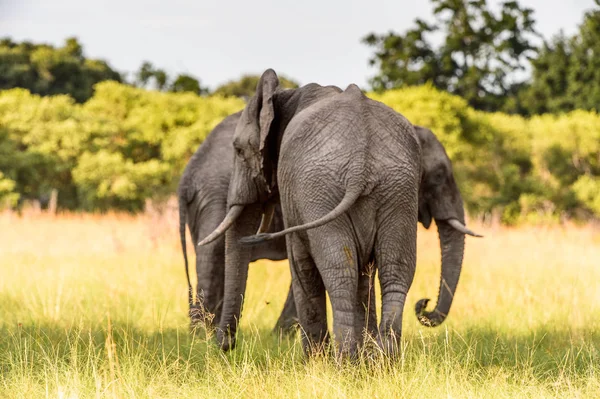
x: 95, y: 306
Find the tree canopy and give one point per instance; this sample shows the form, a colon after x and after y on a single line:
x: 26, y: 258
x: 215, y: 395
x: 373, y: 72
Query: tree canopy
x: 149, y: 76
x: 478, y: 58
x: 566, y: 73
x: 47, y: 70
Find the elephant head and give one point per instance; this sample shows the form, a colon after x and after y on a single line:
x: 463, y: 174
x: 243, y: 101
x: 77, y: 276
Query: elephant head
x: 440, y: 199
x: 253, y: 186
x: 251, y: 181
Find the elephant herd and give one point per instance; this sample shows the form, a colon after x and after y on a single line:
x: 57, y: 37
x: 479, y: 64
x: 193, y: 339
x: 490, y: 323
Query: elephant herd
x: 334, y: 182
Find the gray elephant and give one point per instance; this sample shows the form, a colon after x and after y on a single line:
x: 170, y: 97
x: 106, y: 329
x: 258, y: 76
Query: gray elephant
x: 207, y: 177
x: 202, y: 198
x: 348, y: 173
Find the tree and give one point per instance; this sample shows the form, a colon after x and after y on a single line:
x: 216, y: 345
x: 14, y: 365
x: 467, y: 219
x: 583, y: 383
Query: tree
x: 246, y: 86
x: 550, y: 78
x: 185, y: 82
x: 46, y: 70
x: 477, y: 59
x: 160, y: 79
x: 584, y: 71
x: 148, y: 72
x: 566, y: 73
x: 144, y: 74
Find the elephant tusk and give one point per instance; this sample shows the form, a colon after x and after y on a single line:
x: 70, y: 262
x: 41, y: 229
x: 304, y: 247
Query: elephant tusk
x: 267, y: 217
x: 231, y: 217
x: 456, y: 224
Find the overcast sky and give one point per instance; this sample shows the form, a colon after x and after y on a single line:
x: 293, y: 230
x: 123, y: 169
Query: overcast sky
x: 218, y: 40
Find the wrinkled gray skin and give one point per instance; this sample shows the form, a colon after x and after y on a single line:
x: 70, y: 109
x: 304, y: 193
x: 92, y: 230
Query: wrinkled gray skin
x: 350, y: 164
x: 203, y: 199
x: 202, y: 205
x: 353, y: 183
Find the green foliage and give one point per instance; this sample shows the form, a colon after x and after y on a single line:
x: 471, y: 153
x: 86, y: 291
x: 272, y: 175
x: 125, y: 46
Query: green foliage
x: 46, y: 70
x: 150, y: 77
x: 584, y: 70
x: 185, y: 82
x: 8, y: 196
x: 531, y: 170
x: 477, y: 59
x: 246, y: 86
x: 587, y: 190
x: 127, y: 144
x: 107, y: 180
x: 566, y: 74
x: 122, y: 146
x: 548, y: 89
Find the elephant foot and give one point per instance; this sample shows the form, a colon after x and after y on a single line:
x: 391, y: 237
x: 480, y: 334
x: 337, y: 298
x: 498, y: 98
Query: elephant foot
x: 390, y: 344
x: 348, y: 354
x: 225, y: 340
x: 286, y: 327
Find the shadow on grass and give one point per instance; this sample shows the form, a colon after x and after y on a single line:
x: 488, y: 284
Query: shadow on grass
x: 546, y: 353
x: 45, y: 344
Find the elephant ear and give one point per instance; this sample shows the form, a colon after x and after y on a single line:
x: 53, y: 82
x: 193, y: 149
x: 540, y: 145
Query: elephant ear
x: 265, y: 90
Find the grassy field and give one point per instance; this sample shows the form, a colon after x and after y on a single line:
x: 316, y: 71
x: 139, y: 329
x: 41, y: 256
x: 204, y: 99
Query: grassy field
x: 95, y: 306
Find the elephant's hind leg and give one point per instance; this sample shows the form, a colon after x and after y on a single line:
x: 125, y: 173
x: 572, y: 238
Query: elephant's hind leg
x: 395, y: 256
x: 309, y: 297
x: 334, y: 251
x: 288, y: 320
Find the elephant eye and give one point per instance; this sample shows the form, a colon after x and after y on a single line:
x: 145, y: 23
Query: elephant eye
x: 437, y: 177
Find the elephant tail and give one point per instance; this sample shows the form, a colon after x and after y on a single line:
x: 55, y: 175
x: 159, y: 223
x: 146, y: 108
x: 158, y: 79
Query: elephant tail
x: 349, y: 199
x: 182, y: 221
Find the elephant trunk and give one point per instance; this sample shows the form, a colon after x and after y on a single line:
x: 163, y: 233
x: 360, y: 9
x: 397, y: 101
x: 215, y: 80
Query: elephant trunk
x: 237, y: 258
x: 452, y: 243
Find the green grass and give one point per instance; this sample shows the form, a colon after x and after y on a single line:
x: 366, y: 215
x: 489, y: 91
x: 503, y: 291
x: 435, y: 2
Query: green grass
x: 94, y: 307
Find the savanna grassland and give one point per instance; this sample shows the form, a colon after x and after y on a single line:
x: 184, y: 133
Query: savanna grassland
x: 95, y: 307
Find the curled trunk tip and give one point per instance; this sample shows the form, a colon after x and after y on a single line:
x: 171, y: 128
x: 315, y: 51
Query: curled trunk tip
x: 428, y: 319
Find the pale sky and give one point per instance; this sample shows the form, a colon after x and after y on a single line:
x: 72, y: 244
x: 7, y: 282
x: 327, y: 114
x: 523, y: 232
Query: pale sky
x: 218, y: 40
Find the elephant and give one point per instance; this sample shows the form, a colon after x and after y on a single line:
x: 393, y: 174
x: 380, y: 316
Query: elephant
x: 347, y: 172
x: 212, y: 163
x: 202, y: 196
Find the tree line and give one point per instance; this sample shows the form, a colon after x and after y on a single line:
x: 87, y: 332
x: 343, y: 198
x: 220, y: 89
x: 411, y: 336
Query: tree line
x: 494, y: 60
x: 525, y: 147
x: 125, y: 145
x: 491, y: 59
x: 47, y: 70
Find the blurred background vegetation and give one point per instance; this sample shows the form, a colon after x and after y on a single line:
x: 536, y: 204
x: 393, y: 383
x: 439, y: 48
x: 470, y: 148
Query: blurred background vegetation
x: 518, y: 115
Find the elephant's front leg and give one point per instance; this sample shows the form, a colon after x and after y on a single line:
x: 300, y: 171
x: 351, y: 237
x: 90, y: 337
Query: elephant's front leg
x: 210, y: 264
x: 395, y: 255
x: 237, y: 258
x: 309, y: 297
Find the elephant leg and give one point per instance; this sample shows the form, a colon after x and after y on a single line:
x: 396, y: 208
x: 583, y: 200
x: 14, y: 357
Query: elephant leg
x: 365, y: 321
x: 395, y: 256
x: 334, y: 252
x: 210, y: 267
x: 309, y: 297
x: 288, y: 320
